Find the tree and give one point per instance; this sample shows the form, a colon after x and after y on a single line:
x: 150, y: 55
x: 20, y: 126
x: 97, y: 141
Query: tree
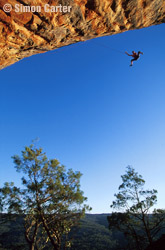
x: 51, y: 200
x: 135, y: 219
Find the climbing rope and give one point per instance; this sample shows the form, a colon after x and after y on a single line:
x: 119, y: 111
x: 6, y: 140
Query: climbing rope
x: 108, y: 47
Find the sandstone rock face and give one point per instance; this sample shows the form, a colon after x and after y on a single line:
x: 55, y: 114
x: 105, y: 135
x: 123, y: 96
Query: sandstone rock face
x: 28, y: 27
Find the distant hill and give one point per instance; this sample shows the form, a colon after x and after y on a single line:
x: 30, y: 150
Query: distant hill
x: 92, y: 234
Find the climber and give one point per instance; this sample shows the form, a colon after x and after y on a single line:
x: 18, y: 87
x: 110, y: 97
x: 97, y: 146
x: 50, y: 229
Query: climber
x: 135, y: 56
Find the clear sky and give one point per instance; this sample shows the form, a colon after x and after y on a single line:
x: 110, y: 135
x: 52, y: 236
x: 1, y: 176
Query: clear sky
x: 91, y: 111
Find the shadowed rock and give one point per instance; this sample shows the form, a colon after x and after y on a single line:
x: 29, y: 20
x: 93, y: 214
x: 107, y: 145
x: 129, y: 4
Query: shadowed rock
x: 24, y: 33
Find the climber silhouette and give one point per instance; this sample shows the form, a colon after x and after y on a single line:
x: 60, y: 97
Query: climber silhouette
x: 135, y: 56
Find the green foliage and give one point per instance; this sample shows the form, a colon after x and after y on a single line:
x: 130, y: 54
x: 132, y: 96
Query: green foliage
x: 136, y: 221
x: 131, y: 195
x: 51, y: 199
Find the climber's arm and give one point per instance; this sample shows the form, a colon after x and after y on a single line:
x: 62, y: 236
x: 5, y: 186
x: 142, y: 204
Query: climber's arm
x: 127, y: 54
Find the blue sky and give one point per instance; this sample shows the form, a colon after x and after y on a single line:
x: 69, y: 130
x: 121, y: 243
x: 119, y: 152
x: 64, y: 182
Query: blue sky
x: 91, y: 111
